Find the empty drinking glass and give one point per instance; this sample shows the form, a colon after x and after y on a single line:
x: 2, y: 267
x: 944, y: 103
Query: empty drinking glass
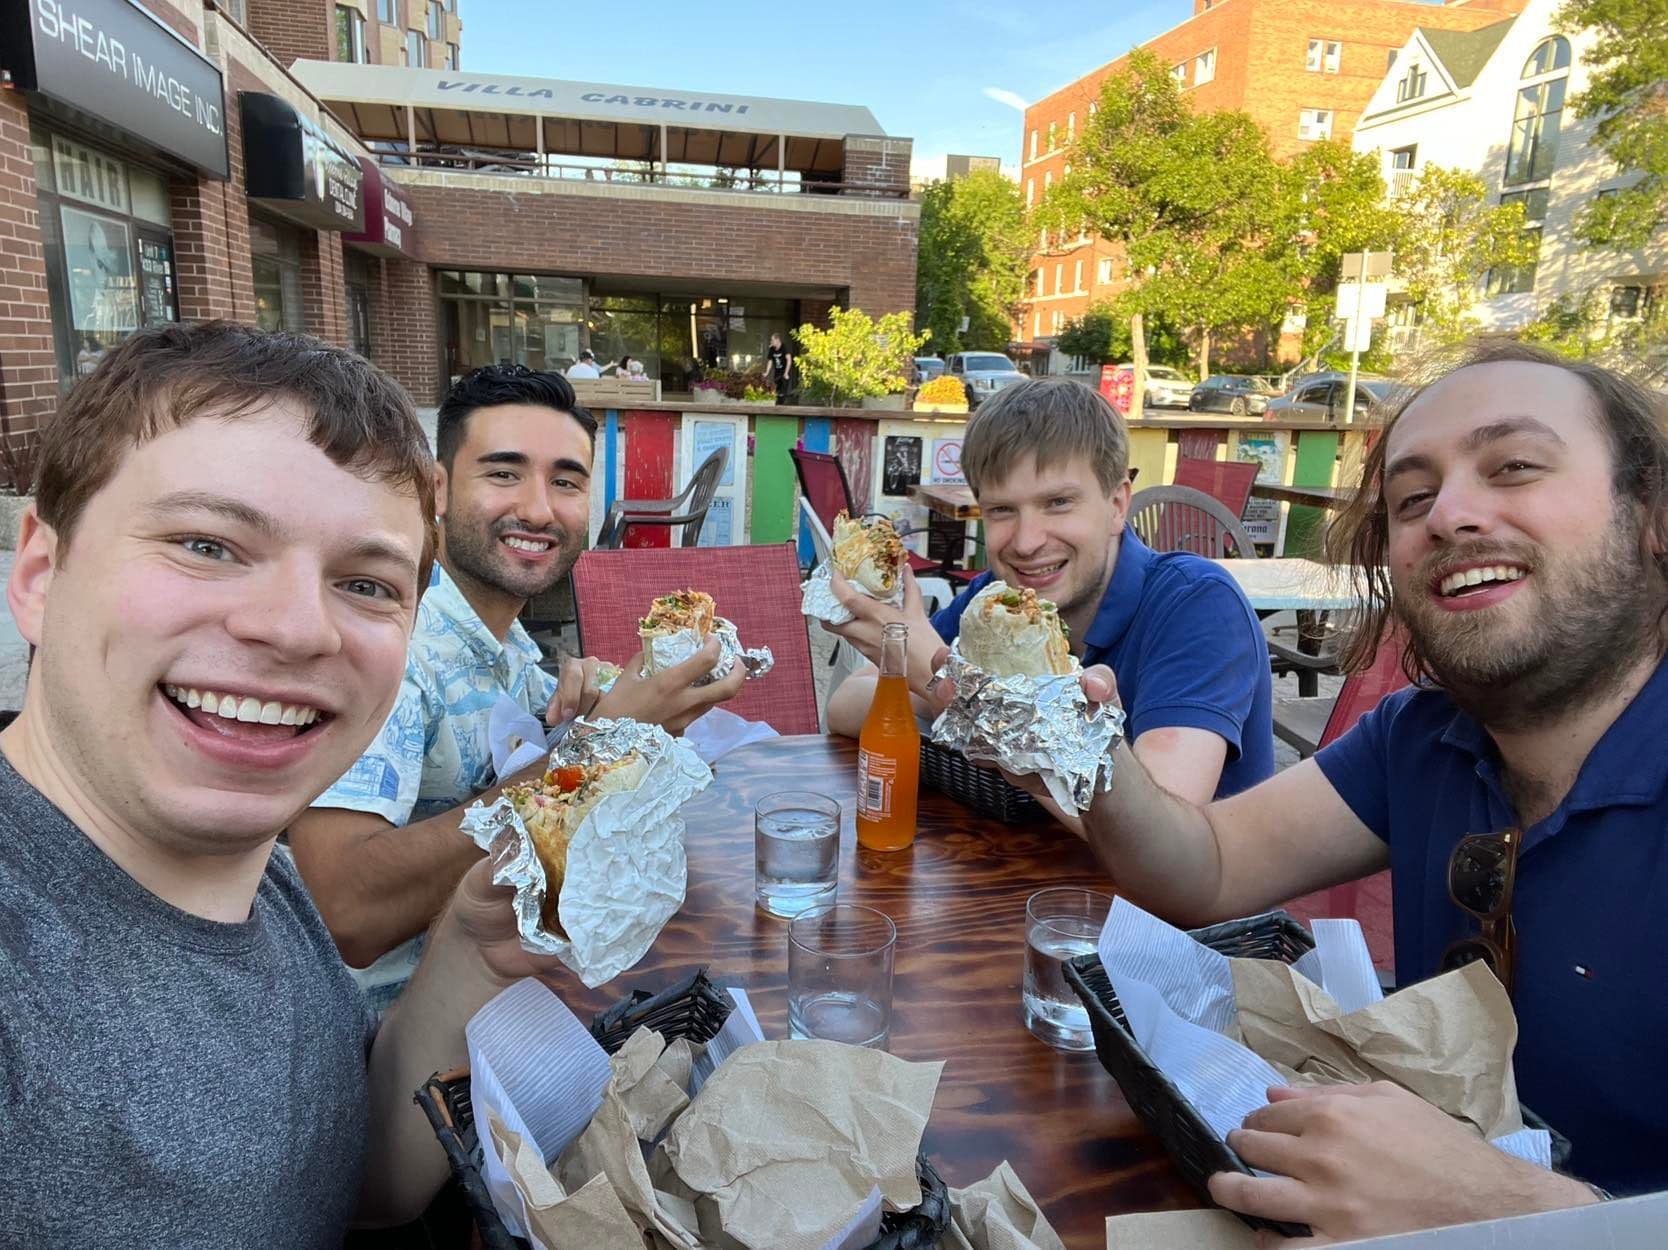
x: 1060, y: 924
x: 796, y: 851
x: 840, y: 975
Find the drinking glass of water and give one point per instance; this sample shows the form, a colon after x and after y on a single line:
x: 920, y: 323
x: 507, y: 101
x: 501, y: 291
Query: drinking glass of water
x: 840, y: 975
x: 796, y: 851
x: 1060, y: 924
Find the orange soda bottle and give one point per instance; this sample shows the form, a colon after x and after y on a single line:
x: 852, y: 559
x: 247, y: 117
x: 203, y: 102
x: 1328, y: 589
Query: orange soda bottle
x: 889, y: 753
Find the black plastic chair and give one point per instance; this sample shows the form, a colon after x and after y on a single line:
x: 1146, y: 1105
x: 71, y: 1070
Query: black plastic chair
x: 688, y: 510
x: 1179, y: 518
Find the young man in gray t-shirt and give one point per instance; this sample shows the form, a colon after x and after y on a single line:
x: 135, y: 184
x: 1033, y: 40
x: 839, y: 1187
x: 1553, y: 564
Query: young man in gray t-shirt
x: 219, y: 578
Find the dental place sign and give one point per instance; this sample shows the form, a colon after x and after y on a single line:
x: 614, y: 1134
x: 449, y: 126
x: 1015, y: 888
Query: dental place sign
x: 111, y: 60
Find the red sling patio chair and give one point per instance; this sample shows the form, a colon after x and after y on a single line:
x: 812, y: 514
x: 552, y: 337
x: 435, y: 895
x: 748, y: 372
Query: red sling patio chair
x: 1368, y: 900
x: 756, y: 587
x: 1228, y: 482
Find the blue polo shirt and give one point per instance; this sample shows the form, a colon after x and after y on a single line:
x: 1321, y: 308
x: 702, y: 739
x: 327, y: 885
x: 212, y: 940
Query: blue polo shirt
x: 1590, y: 905
x: 1187, y: 651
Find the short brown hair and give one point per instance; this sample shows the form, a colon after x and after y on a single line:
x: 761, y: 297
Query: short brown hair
x: 163, y: 377
x: 1053, y: 419
x: 1631, y: 418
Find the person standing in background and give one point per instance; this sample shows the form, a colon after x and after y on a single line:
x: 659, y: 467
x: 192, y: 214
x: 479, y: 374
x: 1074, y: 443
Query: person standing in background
x: 779, y: 367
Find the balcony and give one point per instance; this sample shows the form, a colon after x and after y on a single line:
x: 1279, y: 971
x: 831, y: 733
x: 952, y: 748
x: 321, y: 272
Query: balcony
x: 1402, y: 181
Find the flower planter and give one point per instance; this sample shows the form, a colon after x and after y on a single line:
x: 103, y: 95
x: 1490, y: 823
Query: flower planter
x: 961, y: 408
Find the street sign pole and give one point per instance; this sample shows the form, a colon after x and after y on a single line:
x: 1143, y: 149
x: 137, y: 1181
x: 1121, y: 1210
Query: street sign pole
x: 1355, y: 349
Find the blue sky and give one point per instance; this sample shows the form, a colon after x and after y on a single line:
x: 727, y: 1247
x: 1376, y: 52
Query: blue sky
x: 926, y: 70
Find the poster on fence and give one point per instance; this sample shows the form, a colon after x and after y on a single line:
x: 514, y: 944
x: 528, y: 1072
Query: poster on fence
x: 1264, y: 518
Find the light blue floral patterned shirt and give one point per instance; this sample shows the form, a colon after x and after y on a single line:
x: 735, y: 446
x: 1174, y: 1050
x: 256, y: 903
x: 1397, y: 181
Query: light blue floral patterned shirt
x: 433, y: 754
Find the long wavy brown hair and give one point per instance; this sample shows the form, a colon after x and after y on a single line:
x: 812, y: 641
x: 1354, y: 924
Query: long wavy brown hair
x: 1359, y: 537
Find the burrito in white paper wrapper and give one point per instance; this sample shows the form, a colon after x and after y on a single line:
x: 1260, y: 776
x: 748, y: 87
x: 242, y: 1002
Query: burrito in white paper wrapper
x: 679, y: 624
x: 609, y: 801
x: 1019, y: 702
x: 869, y: 554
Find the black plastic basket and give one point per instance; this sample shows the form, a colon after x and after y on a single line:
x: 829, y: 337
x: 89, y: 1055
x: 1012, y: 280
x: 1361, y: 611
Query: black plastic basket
x: 984, y: 790
x: 1154, y: 1098
x: 694, y: 1009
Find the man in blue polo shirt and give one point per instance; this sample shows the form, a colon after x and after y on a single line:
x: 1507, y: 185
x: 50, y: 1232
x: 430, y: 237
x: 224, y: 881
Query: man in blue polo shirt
x: 1512, y: 524
x: 1048, y: 461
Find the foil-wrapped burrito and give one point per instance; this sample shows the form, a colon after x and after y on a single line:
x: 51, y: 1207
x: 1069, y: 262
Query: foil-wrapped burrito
x: 679, y: 624
x: 1019, y: 702
x: 869, y: 554
x: 594, y: 848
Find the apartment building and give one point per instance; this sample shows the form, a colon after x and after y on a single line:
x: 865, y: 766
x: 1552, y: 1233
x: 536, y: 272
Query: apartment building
x: 1303, y: 69
x: 418, y: 34
x: 1495, y: 101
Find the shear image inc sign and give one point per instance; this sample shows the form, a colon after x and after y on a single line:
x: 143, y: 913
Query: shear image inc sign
x: 115, y: 63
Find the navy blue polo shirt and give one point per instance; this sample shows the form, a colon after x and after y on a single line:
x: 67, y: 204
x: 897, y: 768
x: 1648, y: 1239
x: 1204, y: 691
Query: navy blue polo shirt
x: 1187, y: 651
x: 1590, y: 905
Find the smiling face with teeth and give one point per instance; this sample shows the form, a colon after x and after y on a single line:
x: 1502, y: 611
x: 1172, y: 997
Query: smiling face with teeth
x: 515, y: 504
x: 215, y: 648
x: 1517, y: 570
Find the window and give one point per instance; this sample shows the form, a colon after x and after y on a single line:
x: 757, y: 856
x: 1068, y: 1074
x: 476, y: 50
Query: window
x: 1059, y: 277
x: 1054, y: 321
x: 416, y: 49
x: 1324, y: 56
x: 1179, y: 73
x: 1103, y: 272
x: 451, y: 56
x: 1314, y: 124
x: 350, y: 35
x: 1030, y: 191
x: 1549, y: 56
x: 275, y: 262
x: 1039, y: 277
x: 1534, y: 204
x: 1036, y: 325
x: 1534, y: 145
x: 1048, y: 180
x: 1516, y: 281
x: 437, y: 22
x: 237, y: 10
x: 1204, y: 67
x: 1628, y: 302
x: 1067, y: 174
x: 387, y: 12
x: 1052, y: 141
x: 1071, y: 126
x: 1033, y: 145
x: 1412, y: 84
x: 1403, y: 158
x: 1042, y: 243
x: 1094, y: 106
x: 1077, y: 277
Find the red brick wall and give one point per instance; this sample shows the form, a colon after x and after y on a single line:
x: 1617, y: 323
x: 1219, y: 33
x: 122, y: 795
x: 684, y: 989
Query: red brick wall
x: 877, y: 162
x: 28, y: 367
x: 405, y: 338
x: 323, y: 286
x: 211, y: 229
x: 293, y: 30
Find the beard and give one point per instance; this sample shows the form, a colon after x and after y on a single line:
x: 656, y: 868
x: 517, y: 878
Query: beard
x: 1566, y: 639
x: 473, y: 548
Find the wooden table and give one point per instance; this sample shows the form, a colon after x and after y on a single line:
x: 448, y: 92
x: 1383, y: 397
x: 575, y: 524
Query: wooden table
x: 955, y: 503
x: 1332, y: 497
x: 1291, y: 582
x: 958, y: 898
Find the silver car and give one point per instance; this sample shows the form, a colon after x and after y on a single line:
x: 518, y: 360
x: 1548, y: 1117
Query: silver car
x: 983, y: 374
x: 1165, y: 387
x: 1321, y: 396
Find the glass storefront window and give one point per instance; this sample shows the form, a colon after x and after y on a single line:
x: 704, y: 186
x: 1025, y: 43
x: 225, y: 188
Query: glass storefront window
x: 108, y: 249
x: 276, y: 265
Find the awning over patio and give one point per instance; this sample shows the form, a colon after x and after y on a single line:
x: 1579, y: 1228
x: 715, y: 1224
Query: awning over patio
x: 597, y: 120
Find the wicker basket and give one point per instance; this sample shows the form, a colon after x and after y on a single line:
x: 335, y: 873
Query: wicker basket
x: 1154, y: 1098
x: 691, y: 1009
x: 984, y: 790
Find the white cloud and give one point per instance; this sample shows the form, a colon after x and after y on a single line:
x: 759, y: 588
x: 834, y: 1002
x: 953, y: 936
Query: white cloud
x: 1003, y: 96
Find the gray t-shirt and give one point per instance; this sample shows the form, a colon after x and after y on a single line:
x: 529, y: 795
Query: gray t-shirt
x: 168, y: 1080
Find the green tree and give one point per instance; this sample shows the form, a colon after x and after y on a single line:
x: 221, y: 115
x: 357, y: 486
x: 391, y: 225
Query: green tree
x: 1102, y: 335
x: 974, y: 249
x: 1446, y: 237
x: 1195, y: 200
x: 1628, y: 93
x: 857, y: 357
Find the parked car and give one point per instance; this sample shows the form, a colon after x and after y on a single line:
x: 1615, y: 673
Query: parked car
x: 930, y: 367
x: 1233, y: 393
x: 1165, y: 387
x: 983, y: 374
x: 1320, y: 397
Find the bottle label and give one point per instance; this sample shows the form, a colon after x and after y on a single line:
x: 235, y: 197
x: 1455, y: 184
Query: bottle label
x: 875, y: 775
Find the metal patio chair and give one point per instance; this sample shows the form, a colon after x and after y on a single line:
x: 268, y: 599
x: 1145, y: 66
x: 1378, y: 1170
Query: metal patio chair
x: 688, y: 510
x: 1180, y: 518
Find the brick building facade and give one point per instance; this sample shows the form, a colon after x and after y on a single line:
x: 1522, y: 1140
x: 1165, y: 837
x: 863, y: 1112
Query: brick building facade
x: 1302, y: 69
x: 129, y: 205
